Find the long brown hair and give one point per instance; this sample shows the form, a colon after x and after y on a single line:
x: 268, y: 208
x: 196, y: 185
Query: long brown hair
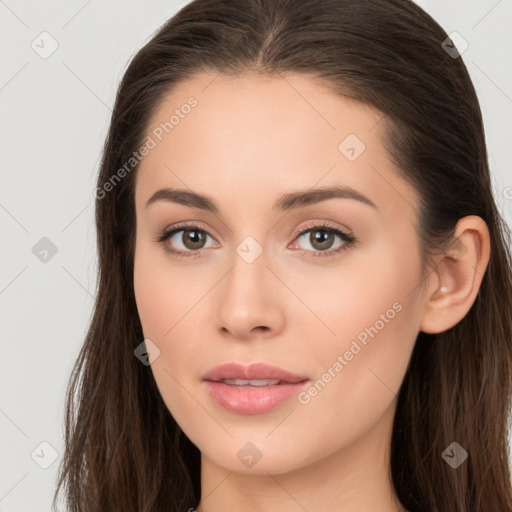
x: 123, y: 449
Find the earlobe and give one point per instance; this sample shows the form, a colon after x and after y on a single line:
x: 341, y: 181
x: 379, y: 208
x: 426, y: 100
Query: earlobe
x: 457, y: 276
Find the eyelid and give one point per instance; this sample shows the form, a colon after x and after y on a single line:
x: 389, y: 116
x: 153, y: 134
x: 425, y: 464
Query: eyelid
x: 318, y: 225
x: 189, y: 225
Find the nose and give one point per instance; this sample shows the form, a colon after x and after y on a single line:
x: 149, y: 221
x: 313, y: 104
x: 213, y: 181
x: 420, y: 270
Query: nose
x: 248, y: 303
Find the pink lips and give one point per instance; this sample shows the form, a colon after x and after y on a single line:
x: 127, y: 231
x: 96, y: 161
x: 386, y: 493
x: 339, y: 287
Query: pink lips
x: 247, y: 399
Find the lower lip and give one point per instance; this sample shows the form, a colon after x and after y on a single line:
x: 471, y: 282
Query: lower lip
x: 252, y: 399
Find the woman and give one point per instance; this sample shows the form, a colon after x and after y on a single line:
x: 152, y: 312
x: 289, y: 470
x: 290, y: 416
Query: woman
x: 304, y: 280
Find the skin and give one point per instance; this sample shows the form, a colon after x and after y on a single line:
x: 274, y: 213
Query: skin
x: 250, y: 140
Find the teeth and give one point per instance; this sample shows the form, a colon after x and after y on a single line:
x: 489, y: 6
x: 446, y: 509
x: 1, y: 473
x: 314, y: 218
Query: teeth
x: 245, y: 382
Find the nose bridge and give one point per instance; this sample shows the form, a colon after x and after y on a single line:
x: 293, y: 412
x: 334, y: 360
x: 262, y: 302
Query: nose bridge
x: 249, y: 267
x: 247, y: 297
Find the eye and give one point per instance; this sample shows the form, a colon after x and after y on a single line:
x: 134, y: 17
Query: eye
x: 192, y: 239
x: 321, y: 238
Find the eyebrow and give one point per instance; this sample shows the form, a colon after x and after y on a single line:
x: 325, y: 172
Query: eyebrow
x: 290, y: 201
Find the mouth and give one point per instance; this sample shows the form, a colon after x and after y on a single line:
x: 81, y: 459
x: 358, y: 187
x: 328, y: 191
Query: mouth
x: 253, y: 389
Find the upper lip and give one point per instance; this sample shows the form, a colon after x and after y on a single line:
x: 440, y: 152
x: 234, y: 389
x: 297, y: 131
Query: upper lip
x: 254, y: 371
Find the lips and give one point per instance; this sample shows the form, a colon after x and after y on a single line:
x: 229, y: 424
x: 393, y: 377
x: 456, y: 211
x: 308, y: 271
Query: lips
x: 254, y: 389
x: 258, y: 374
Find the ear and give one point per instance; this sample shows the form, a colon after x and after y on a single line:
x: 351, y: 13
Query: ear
x: 456, y: 277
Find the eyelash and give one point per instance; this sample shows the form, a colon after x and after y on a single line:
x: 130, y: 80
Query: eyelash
x: 349, y: 240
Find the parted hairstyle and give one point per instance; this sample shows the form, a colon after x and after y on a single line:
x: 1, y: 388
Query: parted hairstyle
x: 123, y: 449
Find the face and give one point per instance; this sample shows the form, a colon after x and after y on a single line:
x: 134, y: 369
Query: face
x: 325, y: 287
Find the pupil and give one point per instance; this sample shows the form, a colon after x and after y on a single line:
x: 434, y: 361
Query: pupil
x: 321, y: 238
x: 194, y: 238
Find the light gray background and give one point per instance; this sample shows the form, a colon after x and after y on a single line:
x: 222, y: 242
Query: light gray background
x: 54, y: 118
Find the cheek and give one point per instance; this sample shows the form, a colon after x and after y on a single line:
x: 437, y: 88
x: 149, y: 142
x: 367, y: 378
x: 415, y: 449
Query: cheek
x: 160, y: 293
x: 357, y: 377
x: 357, y: 381
x: 163, y: 299
x: 148, y: 296
x: 368, y: 291
x: 167, y: 299
x: 375, y: 321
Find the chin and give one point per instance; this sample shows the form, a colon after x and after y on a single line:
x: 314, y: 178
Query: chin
x: 254, y: 455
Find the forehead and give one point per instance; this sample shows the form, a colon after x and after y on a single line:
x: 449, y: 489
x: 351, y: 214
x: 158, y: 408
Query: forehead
x: 286, y: 131
x: 256, y: 107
